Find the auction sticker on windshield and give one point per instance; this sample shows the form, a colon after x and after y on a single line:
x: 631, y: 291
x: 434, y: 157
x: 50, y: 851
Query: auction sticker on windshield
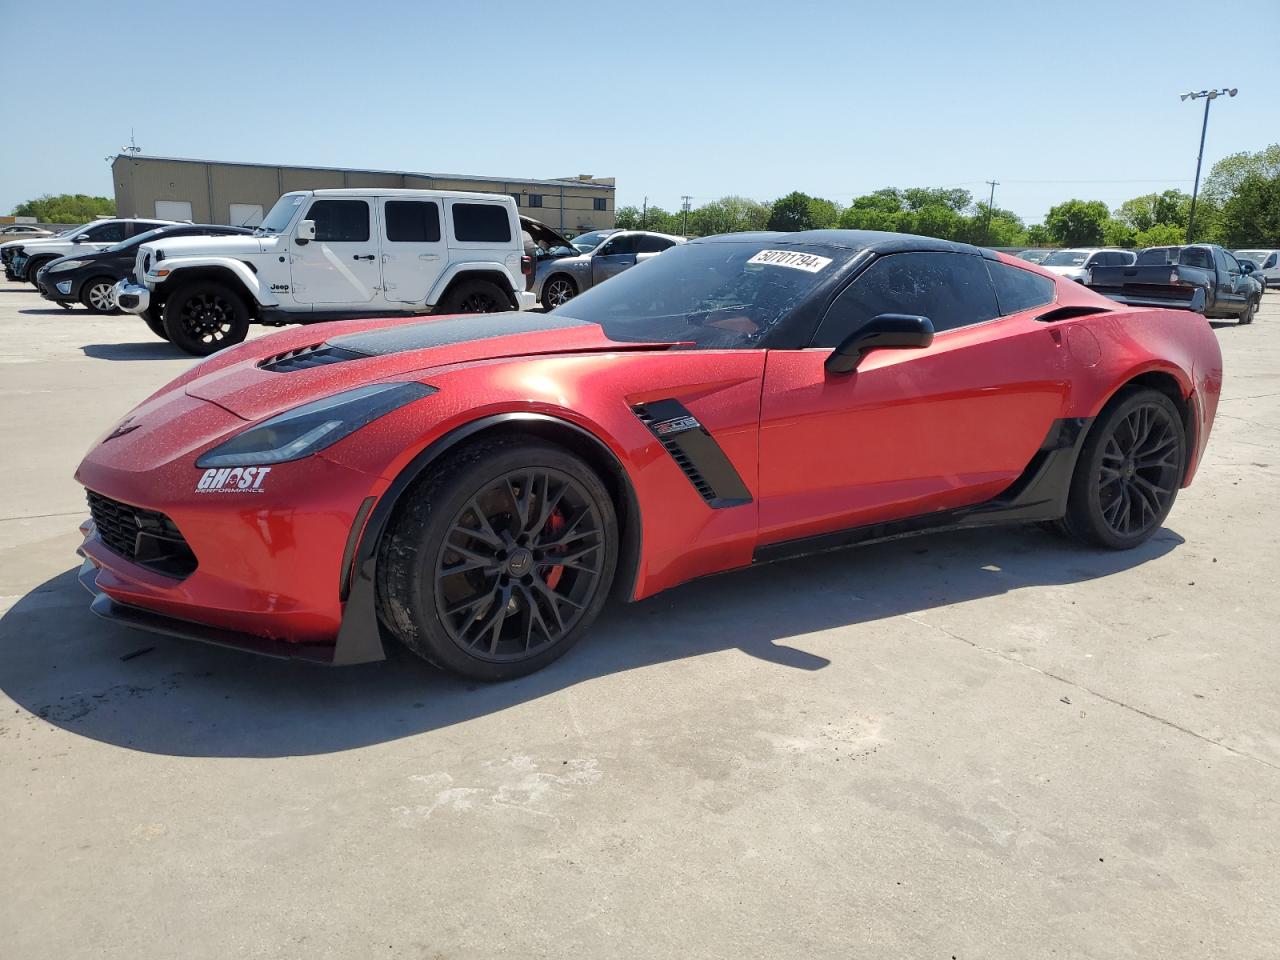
x: 791, y: 258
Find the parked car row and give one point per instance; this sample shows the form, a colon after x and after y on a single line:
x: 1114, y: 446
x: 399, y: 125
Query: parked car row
x: 1075, y: 262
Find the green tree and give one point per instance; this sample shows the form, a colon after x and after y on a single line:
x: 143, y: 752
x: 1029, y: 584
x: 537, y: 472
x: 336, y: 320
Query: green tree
x: 1118, y: 233
x: 66, y: 208
x: 728, y: 215
x: 627, y: 218
x: 1038, y: 235
x: 792, y: 212
x: 824, y: 214
x: 953, y: 198
x: 1077, y: 223
x: 1252, y: 213
x: 1229, y: 173
x: 1160, y: 235
x: 1143, y: 213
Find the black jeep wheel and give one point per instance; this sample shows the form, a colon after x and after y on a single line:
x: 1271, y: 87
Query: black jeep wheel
x: 97, y: 295
x: 475, y: 296
x: 498, y: 560
x: 558, y: 290
x: 205, y: 317
x: 154, y: 320
x: 1129, y: 471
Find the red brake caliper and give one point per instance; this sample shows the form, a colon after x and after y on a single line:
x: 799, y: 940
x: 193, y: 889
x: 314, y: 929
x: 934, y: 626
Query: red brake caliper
x: 555, y: 523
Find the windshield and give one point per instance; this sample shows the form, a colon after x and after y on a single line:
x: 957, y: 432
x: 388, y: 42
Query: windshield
x: 715, y: 295
x: 1066, y: 258
x: 586, y: 242
x: 279, y: 216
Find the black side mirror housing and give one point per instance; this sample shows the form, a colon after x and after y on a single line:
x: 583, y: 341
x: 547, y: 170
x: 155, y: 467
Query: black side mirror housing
x: 884, y: 331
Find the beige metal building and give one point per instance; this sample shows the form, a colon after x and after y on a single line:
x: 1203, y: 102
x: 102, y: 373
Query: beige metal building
x: 210, y: 191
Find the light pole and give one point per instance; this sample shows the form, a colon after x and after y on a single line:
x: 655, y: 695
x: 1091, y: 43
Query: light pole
x: 1208, y: 96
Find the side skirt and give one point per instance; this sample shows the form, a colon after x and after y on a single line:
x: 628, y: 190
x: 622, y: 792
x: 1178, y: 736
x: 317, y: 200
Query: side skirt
x: 1039, y: 493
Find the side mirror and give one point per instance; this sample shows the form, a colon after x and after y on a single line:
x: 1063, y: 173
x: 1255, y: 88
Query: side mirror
x: 1246, y: 267
x: 306, y: 231
x: 81, y: 239
x: 885, y: 331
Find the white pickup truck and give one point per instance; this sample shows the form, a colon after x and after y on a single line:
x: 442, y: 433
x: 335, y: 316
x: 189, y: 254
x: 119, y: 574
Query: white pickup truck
x: 334, y: 255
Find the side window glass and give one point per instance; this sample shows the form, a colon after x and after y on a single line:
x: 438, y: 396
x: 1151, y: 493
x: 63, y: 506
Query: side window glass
x: 412, y: 221
x: 340, y: 221
x: 1233, y: 265
x: 481, y: 223
x: 618, y: 245
x: 1017, y: 289
x: 1271, y: 262
x: 1195, y: 257
x: 107, y: 233
x: 650, y: 244
x: 952, y: 289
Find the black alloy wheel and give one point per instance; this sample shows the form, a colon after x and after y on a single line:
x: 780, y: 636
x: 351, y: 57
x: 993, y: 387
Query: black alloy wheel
x: 480, y: 301
x: 204, y: 318
x: 499, y: 558
x: 1129, y: 471
x: 558, y: 290
x: 519, y: 565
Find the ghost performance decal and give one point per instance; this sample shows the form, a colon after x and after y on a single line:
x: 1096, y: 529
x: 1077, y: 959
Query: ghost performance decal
x: 232, y: 480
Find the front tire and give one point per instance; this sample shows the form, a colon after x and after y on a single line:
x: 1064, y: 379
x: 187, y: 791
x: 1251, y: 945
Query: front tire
x: 97, y: 296
x: 155, y: 322
x: 205, y: 317
x: 34, y: 267
x: 1249, y: 311
x: 498, y: 560
x: 1129, y: 471
x: 557, y: 290
x: 476, y: 296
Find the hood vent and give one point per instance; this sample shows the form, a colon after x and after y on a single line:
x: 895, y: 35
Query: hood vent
x: 304, y: 358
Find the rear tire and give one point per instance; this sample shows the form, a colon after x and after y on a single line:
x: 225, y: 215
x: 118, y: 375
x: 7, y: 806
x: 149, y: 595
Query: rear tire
x: 475, y: 296
x: 1129, y: 471
x: 205, y: 317
x: 497, y: 560
x: 96, y: 295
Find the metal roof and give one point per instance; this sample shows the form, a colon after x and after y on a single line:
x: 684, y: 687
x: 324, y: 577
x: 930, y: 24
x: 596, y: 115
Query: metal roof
x: 587, y: 184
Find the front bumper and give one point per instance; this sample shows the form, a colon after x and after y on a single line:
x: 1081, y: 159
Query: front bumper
x: 132, y: 297
x: 57, y: 287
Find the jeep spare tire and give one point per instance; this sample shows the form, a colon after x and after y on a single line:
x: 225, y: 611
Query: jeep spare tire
x: 204, y: 317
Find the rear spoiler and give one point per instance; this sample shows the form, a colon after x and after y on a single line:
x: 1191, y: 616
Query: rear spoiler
x: 1195, y: 304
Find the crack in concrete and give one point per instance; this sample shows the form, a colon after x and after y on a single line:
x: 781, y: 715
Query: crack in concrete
x: 43, y: 516
x: 1094, y: 693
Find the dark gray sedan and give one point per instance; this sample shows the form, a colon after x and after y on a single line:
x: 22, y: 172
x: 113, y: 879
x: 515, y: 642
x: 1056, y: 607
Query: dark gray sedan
x: 559, y: 280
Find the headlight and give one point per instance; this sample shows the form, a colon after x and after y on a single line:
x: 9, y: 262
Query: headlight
x: 67, y: 265
x: 313, y: 426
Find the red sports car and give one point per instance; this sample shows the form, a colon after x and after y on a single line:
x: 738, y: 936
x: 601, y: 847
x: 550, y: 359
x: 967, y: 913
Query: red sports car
x: 476, y: 487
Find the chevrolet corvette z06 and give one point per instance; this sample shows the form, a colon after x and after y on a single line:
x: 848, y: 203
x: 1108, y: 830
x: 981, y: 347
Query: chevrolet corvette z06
x: 477, y: 487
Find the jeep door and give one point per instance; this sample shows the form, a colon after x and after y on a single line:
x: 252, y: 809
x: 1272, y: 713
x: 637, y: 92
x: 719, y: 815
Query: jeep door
x: 414, y: 253
x: 340, y: 266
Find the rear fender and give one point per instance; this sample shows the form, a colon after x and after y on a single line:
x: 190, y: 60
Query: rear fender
x: 478, y: 267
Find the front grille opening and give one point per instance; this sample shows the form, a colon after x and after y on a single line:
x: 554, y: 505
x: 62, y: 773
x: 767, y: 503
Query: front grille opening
x: 304, y: 358
x: 145, y: 537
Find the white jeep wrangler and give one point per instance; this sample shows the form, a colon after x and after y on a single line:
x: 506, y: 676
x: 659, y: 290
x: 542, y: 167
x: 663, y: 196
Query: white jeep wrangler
x: 334, y: 255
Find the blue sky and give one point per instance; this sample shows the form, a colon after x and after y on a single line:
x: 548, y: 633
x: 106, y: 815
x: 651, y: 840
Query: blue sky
x: 704, y: 98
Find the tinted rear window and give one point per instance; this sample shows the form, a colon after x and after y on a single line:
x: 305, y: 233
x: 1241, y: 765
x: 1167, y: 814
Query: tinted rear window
x: 481, y: 223
x: 413, y: 221
x: 1018, y: 290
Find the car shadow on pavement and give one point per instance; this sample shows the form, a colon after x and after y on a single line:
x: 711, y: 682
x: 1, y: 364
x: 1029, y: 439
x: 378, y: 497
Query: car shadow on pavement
x: 151, y: 350
x: 163, y: 696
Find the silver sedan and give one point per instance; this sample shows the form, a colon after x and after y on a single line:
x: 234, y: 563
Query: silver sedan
x: 560, y: 279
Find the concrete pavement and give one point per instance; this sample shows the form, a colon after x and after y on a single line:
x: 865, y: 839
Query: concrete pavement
x: 987, y: 744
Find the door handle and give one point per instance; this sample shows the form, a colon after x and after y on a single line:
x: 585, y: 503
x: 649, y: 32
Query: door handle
x: 368, y: 256
x: 429, y: 257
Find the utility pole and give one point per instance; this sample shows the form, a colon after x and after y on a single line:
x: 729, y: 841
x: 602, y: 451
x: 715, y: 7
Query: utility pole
x: 685, y: 206
x: 1208, y: 96
x: 644, y: 214
x: 986, y: 230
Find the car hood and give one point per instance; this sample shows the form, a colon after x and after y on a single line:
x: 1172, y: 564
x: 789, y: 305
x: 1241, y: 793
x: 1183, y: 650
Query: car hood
x: 31, y: 242
x: 543, y: 234
x: 267, y: 376
x: 207, y: 246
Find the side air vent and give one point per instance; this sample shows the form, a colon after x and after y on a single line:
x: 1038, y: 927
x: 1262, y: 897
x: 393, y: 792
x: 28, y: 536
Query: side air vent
x: 1070, y: 313
x: 695, y: 452
x: 304, y: 358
